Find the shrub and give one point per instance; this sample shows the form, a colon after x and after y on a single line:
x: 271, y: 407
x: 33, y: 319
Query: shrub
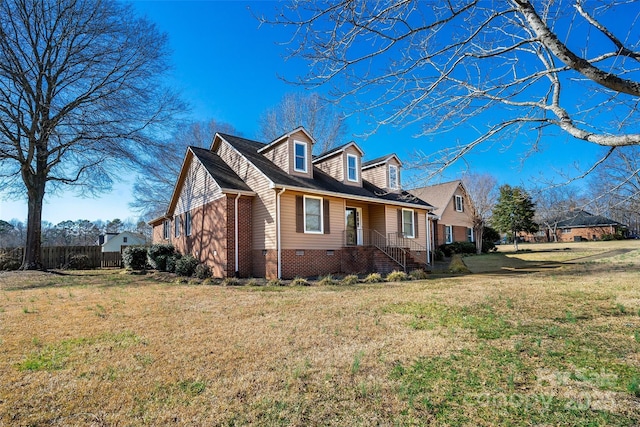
x: 135, y: 257
x: 202, y: 271
x: 8, y: 264
x: 438, y: 255
x: 373, y: 278
x: 300, y: 281
x: 458, y: 248
x: 490, y: 234
x: 488, y: 246
x: 397, y: 276
x: 327, y: 281
x: 230, y: 281
x: 186, y: 265
x: 457, y: 265
x: 253, y: 282
x: 159, y: 254
x: 419, y: 274
x: 275, y: 282
x: 77, y: 262
x: 349, y: 280
x: 171, y: 262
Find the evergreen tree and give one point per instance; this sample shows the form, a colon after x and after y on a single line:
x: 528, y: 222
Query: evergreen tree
x: 514, y: 212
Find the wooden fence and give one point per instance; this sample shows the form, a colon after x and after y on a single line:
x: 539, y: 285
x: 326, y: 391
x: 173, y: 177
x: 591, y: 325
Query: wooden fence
x: 59, y: 256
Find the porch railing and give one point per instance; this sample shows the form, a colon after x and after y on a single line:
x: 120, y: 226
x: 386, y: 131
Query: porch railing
x: 418, y: 252
x: 395, y: 246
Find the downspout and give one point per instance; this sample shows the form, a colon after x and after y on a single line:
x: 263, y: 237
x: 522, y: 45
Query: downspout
x: 278, y: 234
x: 237, y: 250
x: 428, y: 239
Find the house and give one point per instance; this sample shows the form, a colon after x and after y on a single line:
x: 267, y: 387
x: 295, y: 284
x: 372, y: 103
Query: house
x: 248, y: 208
x: 578, y: 225
x: 116, y: 242
x: 452, y: 216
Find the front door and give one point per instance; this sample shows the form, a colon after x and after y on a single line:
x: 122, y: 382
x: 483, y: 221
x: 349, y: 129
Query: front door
x: 353, y: 227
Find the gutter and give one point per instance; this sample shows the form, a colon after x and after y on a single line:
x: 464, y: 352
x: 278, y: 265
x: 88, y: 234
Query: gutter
x: 278, y: 234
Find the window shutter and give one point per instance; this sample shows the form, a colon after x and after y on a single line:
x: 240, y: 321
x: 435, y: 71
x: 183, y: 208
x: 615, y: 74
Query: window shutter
x: 325, y: 216
x: 415, y: 224
x: 299, y: 215
x: 400, y: 233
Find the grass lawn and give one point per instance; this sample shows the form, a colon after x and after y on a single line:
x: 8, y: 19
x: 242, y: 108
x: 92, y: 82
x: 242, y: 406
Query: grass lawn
x: 554, y: 340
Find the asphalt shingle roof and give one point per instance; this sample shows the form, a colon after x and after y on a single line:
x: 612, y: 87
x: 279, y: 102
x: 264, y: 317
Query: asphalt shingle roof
x: 320, y: 182
x: 219, y: 170
x: 580, y: 218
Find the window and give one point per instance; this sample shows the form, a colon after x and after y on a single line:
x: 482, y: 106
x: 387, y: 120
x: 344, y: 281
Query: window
x: 566, y: 230
x: 124, y: 240
x: 459, y: 204
x: 470, y: 234
x: 176, y: 226
x: 166, y: 226
x: 300, y: 156
x: 448, y: 233
x: 352, y: 168
x: 312, y: 214
x: 408, y: 227
x: 187, y: 224
x: 393, y: 177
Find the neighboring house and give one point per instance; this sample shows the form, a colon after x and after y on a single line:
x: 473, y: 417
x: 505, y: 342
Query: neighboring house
x: 246, y: 208
x: 116, y: 242
x: 578, y: 225
x: 452, y: 221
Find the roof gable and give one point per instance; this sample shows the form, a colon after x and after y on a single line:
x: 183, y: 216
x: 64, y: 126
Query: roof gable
x: 337, y: 150
x: 439, y: 195
x: 286, y: 136
x: 221, y: 174
x: 380, y: 161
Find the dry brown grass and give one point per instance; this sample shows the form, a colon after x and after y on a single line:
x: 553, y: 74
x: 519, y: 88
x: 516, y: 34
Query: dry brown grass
x: 105, y: 348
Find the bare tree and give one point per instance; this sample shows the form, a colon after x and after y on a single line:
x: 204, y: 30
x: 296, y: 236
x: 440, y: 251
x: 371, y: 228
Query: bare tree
x: 511, y: 69
x: 483, y: 191
x: 553, y: 205
x: 318, y: 116
x: 81, y: 98
x: 152, y: 189
x: 615, y: 188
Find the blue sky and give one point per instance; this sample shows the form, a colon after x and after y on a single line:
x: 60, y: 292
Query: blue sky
x: 228, y: 69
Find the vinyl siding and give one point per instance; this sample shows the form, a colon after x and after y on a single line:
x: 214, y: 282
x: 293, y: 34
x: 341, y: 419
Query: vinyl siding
x: 377, y: 219
x: 293, y: 240
x: 300, y: 136
x: 198, y: 189
x: 377, y: 176
x: 264, y: 204
x: 279, y: 155
x: 355, y: 152
x: 333, y: 166
x: 452, y: 217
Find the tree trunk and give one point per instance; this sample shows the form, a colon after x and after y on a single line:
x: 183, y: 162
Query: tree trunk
x: 478, y: 231
x: 32, y: 259
x: 515, y: 240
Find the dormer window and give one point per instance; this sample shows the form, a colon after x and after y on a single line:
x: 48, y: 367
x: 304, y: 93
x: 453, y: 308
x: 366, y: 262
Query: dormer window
x: 352, y: 167
x: 393, y: 177
x: 300, y: 156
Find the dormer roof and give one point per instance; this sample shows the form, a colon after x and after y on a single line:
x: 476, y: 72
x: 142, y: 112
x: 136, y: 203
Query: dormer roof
x: 321, y: 183
x: 286, y: 136
x: 380, y: 161
x: 337, y: 150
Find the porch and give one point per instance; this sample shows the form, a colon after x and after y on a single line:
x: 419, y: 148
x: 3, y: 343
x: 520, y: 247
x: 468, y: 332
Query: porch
x: 405, y: 252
